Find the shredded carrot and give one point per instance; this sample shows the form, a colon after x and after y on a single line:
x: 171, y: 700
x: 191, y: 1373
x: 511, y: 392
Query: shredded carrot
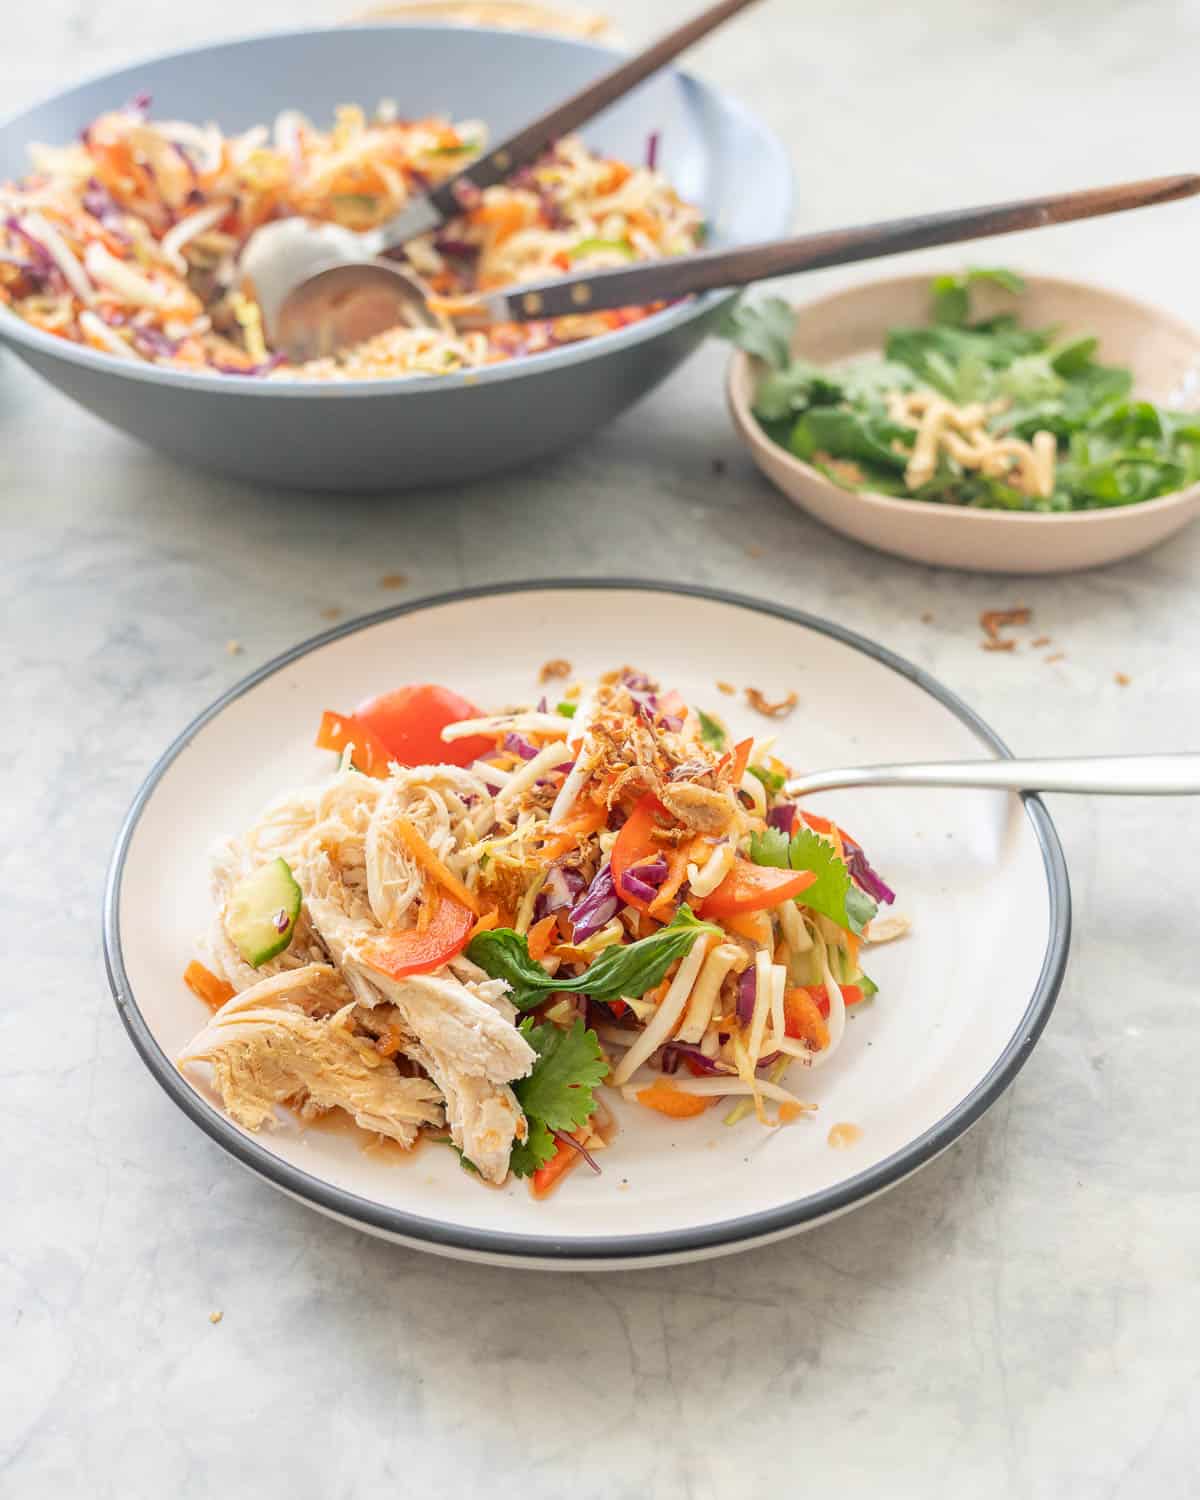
x: 755, y: 925
x: 425, y: 856
x: 485, y: 923
x: 541, y: 934
x: 804, y: 1020
x: 206, y: 986
x: 590, y: 820
x: 677, y: 863
x: 669, y: 1100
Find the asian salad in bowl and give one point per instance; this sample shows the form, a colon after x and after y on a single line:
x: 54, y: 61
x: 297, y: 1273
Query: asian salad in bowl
x: 477, y: 922
x: 127, y: 239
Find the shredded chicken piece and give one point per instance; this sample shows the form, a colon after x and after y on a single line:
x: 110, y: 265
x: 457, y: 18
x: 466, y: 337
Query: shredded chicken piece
x: 265, y: 1049
x: 434, y: 800
x: 763, y: 705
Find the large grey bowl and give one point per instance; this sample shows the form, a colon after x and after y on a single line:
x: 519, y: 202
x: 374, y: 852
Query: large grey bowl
x: 389, y: 434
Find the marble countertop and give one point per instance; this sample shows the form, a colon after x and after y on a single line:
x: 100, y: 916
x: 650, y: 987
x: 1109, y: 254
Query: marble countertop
x: 1020, y: 1319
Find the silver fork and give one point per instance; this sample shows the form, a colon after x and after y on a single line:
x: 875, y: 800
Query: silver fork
x: 1170, y: 775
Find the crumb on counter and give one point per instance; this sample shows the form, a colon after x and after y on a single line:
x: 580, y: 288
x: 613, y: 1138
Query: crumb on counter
x: 718, y: 466
x: 992, y: 621
x: 234, y: 648
x: 1041, y: 640
x: 727, y: 688
x: 1055, y: 656
x: 215, y: 1317
x: 779, y: 710
x: 1122, y: 679
x: 557, y: 666
x: 333, y: 612
x: 927, y: 617
x: 754, y: 551
x: 394, y: 581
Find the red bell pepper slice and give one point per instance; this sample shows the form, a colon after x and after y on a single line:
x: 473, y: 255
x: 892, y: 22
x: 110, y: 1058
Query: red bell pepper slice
x: 750, y: 887
x: 414, y: 952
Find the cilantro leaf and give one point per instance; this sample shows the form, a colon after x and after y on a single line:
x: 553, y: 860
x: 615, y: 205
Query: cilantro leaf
x: 770, y: 848
x: 538, y: 1148
x: 833, y: 893
x: 763, y: 328
x: 624, y: 971
x: 952, y: 294
x: 567, y: 709
x: 711, y: 732
x: 557, y: 1094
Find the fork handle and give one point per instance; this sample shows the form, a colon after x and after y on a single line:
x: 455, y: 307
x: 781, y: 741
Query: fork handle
x: 1112, y: 775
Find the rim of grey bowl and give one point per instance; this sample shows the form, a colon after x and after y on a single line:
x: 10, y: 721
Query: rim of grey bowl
x: 524, y: 1248
x: 742, y: 404
x: 16, y: 330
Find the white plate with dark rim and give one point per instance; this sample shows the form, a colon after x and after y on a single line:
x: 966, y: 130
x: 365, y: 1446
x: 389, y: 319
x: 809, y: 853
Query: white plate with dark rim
x: 962, y: 999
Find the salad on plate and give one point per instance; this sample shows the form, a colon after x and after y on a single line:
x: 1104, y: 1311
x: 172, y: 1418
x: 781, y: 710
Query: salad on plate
x: 477, y: 922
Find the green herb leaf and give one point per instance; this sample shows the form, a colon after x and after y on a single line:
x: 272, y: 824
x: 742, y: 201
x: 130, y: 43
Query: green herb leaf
x: 568, y: 710
x: 711, y: 732
x: 842, y: 433
x: 763, y: 328
x: 773, y: 780
x: 557, y: 1094
x: 952, y: 296
x: 833, y: 893
x: 624, y: 971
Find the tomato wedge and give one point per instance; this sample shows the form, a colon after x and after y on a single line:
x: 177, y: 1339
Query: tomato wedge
x: 339, y: 730
x: 410, y: 720
x: 413, y: 952
x: 750, y: 887
x: 635, y: 843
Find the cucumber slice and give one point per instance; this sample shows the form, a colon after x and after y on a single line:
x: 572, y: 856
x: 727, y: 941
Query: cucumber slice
x: 262, y: 912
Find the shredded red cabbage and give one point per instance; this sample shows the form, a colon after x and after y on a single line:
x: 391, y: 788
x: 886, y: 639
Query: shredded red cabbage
x: 560, y: 890
x: 783, y: 817
x: 152, y: 342
x: 103, y: 207
x: 569, y: 1140
x: 456, y: 249
x: 860, y: 868
x: 642, y: 881
x: 745, y: 999
x: 598, y: 906
x: 519, y: 745
x: 674, y: 1052
x: 652, y: 143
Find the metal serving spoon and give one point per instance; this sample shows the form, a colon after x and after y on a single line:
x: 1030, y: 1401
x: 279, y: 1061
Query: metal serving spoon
x: 1169, y: 775
x: 345, y: 303
x: 284, y: 257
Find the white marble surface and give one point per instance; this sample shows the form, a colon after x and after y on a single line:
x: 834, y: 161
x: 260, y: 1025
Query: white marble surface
x: 1022, y: 1319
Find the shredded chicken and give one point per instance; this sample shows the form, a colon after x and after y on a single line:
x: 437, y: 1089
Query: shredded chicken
x: 266, y: 1048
